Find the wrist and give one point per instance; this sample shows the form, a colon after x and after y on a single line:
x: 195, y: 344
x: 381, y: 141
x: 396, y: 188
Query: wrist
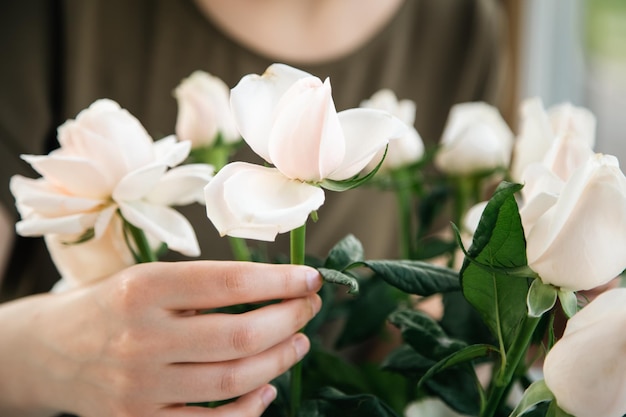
x: 25, y: 391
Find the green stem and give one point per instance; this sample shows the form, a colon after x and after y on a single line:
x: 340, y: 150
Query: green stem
x: 297, y: 251
x: 144, y: 251
x: 240, y: 249
x: 504, y: 378
x: 404, y: 202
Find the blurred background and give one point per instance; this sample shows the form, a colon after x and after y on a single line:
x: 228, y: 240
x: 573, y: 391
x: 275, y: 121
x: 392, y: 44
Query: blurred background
x: 573, y: 50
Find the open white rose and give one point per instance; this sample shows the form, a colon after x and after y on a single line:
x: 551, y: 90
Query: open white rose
x: 561, y: 137
x: 107, y: 163
x: 406, y: 149
x: 576, y: 236
x: 204, y: 110
x: 475, y: 139
x: 288, y: 117
x: 586, y: 368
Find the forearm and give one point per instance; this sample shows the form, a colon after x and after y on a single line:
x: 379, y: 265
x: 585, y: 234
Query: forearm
x: 23, y: 374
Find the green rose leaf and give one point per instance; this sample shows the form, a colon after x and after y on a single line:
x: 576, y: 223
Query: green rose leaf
x: 334, y: 403
x: 498, y: 243
x: 347, y: 251
x: 337, y: 277
x: 416, y: 277
x: 424, y: 334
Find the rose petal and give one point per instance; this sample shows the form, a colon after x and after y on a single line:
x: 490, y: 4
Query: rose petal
x: 170, y: 151
x: 182, y: 185
x: 306, y: 140
x: 138, y: 183
x: 366, y: 132
x: 164, y: 224
x: 254, y: 99
x: 73, y: 175
x: 106, y: 119
x: 41, y: 196
x: 534, y: 139
x: 255, y: 202
x: 89, y: 261
x: 75, y: 224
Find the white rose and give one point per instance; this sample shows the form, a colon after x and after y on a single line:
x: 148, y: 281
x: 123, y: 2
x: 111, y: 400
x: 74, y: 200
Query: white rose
x: 107, y: 163
x: 562, y: 138
x: 288, y: 117
x: 576, y: 237
x: 406, y: 149
x: 429, y: 407
x: 475, y: 139
x: 204, y: 110
x: 586, y: 368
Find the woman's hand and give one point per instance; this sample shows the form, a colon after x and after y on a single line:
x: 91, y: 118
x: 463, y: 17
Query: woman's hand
x: 134, y: 344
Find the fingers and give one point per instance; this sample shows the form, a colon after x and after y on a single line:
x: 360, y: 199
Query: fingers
x: 223, y: 380
x: 212, y: 284
x: 222, y: 337
x: 250, y: 405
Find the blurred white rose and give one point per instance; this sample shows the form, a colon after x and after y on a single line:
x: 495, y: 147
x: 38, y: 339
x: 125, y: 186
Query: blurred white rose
x: 406, y: 149
x: 204, y: 110
x: 108, y: 164
x: 430, y: 407
x: 475, y: 139
x: 561, y: 138
x: 288, y: 117
x: 586, y: 368
x: 576, y: 230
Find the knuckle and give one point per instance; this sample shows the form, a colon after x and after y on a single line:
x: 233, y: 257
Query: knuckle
x: 126, y: 346
x: 130, y: 291
x: 229, y: 383
x: 244, y: 339
x: 234, y: 280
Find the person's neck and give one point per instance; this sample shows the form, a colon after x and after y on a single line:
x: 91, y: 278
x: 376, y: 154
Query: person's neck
x: 302, y: 31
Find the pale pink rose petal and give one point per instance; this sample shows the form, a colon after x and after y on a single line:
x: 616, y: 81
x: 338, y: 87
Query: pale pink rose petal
x: 72, y: 175
x: 204, y: 110
x: 170, y: 151
x: 74, y: 224
x: 40, y: 195
x: 566, y: 155
x: 138, y: 183
x: 538, y: 178
x: 164, y: 224
x: 366, y: 132
x: 105, y: 118
x: 254, y: 99
x: 182, y: 185
x: 577, y: 122
x: 92, y: 260
x: 534, y: 139
x: 306, y: 140
x: 255, y: 202
x: 585, y: 369
x: 104, y: 220
x: 103, y: 153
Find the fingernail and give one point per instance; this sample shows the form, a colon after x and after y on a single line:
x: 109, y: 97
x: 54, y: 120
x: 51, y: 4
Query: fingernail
x: 313, y: 279
x: 301, y: 345
x: 316, y: 303
x: 268, y: 394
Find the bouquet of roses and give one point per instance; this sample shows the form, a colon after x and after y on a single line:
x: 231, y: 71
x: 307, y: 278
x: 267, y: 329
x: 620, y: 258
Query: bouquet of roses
x: 528, y: 237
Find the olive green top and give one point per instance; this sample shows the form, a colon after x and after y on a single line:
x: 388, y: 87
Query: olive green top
x: 60, y: 56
